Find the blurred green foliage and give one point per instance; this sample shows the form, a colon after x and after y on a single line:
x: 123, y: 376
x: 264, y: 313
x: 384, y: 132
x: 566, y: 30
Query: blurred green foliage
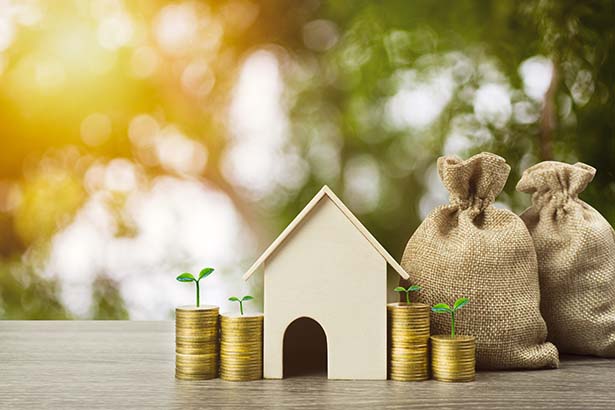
x: 337, y: 97
x: 346, y: 93
x: 25, y: 295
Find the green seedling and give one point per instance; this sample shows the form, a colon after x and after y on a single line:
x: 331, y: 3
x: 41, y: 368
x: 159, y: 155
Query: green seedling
x: 413, y: 288
x: 188, y: 277
x: 444, y: 308
x: 243, y: 299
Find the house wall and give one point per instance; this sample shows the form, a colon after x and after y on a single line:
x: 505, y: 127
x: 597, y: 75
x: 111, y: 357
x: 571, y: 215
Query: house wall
x: 328, y: 271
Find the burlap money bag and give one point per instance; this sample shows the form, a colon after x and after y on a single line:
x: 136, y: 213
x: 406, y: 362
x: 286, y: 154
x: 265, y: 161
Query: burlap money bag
x: 470, y: 248
x: 576, y: 258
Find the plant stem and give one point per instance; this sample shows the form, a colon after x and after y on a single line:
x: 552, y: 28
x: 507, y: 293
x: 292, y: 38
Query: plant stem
x: 408, y: 298
x: 241, y: 307
x: 198, y: 295
x: 452, y: 324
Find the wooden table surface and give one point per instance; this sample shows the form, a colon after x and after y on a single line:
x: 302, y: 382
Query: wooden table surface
x: 127, y: 365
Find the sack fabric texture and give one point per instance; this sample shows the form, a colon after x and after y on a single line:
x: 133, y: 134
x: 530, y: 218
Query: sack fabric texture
x: 576, y: 258
x: 470, y: 248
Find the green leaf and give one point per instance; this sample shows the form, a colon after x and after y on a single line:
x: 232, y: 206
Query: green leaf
x: 186, y: 277
x: 414, y: 288
x: 205, y: 273
x: 233, y: 299
x: 399, y: 289
x: 461, y: 302
x: 247, y: 298
x: 441, y: 308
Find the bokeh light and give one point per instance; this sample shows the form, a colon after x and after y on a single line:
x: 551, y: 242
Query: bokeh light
x: 141, y: 139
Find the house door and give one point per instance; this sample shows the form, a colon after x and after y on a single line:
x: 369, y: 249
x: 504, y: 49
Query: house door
x: 305, y: 348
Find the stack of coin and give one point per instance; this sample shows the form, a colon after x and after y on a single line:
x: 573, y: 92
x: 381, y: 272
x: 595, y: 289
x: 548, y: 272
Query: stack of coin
x: 241, y: 347
x: 408, y: 341
x: 196, y: 342
x: 453, y: 358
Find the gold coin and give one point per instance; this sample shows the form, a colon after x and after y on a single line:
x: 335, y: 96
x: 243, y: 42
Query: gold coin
x: 201, y: 340
x: 243, y: 343
x: 453, y: 359
x: 200, y: 317
x: 205, y: 374
x: 240, y: 346
x: 193, y: 351
x: 195, y: 356
x: 241, y: 370
x: 258, y: 317
x: 243, y: 322
x: 239, y: 353
x: 194, y: 344
x: 197, y: 313
x: 205, y: 348
x: 245, y: 333
x: 196, y: 335
x: 196, y: 330
x: 196, y: 324
x: 188, y: 369
x: 196, y: 321
x: 193, y: 317
x: 241, y: 330
x: 240, y: 361
x: 194, y: 377
x: 196, y: 369
x: 232, y: 359
x: 240, y: 323
x: 241, y: 339
x: 197, y: 343
x: 199, y: 328
x: 408, y: 324
x: 239, y: 350
x: 203, y: 366
x: 196, y: 363
x: 241, y: 378
x: 194, y: 309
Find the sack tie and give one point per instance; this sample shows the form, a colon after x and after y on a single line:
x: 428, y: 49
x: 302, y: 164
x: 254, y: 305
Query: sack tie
x: 557, y: 199
x: 474, y: 204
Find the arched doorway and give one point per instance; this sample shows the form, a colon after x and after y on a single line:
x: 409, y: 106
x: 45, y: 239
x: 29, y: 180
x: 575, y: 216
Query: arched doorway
x: 305, y: 348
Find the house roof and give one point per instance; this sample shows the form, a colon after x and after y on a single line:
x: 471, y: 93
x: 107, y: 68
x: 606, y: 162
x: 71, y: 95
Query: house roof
x: 325, y: 192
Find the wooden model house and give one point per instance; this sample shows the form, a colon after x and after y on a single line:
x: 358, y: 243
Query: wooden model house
x: 327, y: 266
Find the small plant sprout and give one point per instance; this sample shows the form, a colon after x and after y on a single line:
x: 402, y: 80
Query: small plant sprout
x: 188, y: 277
x: 444, y: 308
x: 243, y: 299
x: 413, y: 288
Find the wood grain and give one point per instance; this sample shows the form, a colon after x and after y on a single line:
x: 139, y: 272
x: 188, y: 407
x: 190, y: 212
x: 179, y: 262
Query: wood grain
x: 127, y: 365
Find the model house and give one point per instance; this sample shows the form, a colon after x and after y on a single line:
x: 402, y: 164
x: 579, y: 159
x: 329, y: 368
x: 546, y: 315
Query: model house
x: 327, y: 266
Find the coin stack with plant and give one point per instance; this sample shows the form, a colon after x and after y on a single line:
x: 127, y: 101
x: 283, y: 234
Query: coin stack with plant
x: 408, y: 340
x: 196, y: 336
x: 453, y: 357
x: 241, y: 344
